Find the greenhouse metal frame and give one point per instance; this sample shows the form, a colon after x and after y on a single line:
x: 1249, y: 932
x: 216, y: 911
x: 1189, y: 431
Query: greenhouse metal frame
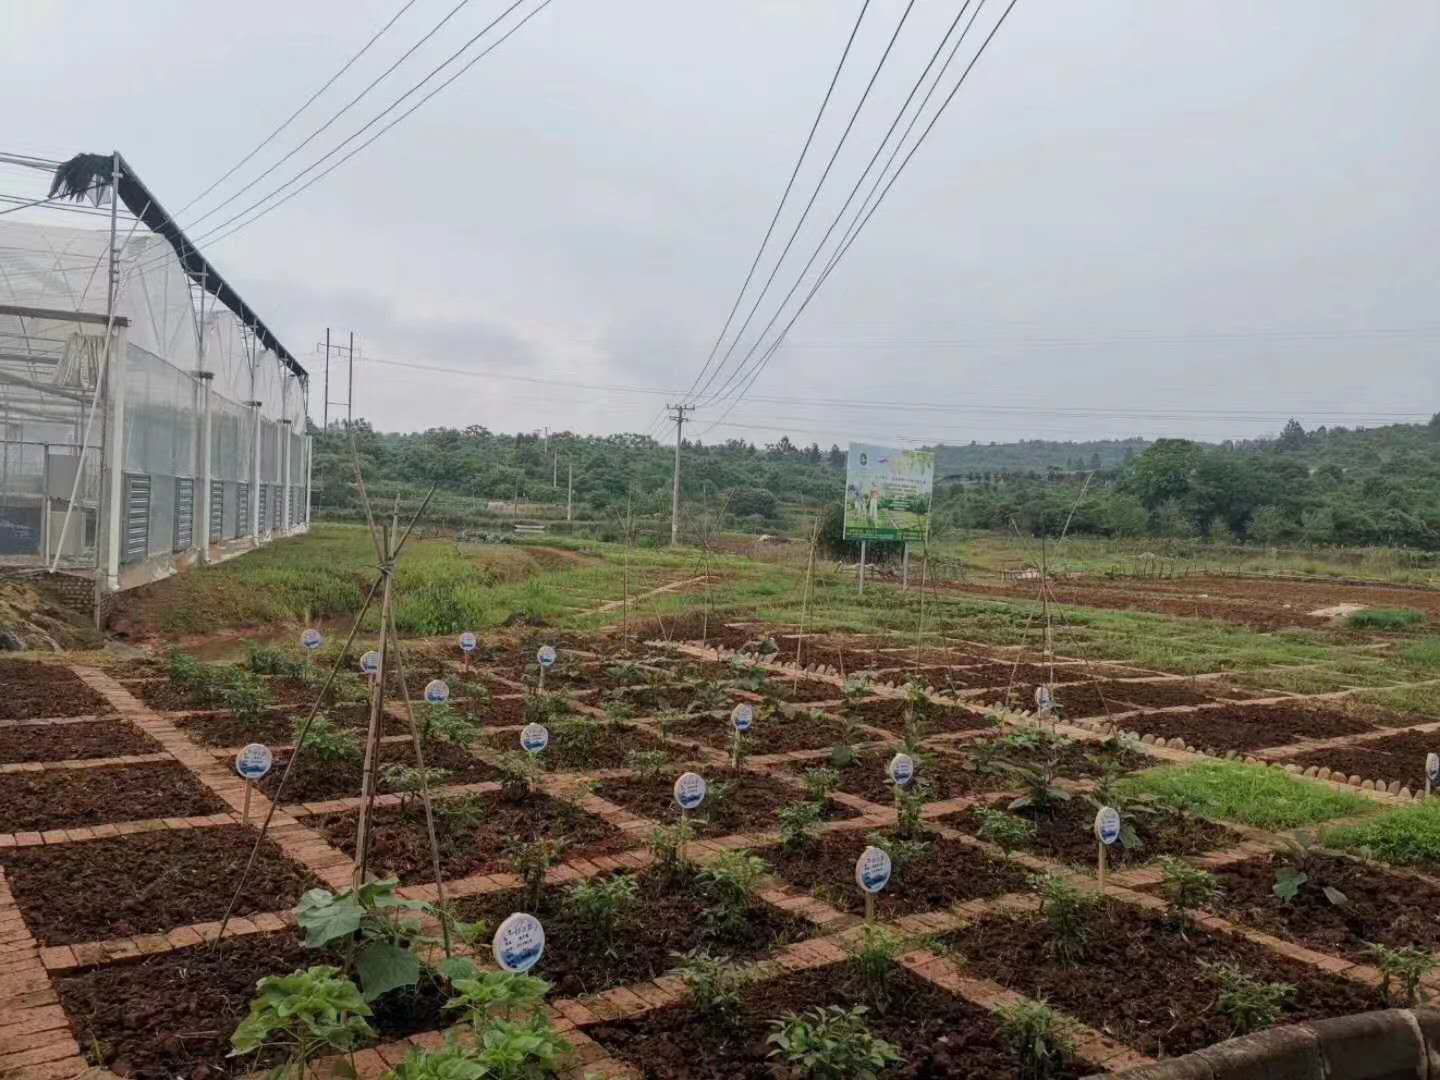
x: 149, y: 419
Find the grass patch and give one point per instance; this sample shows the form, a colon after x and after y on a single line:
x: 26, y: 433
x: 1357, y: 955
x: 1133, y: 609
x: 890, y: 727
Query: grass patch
x: 1419, y: 702
x: 1250, y: 794
x: 1405, y: 837
x: 1385, y: 619
x: 1424, y: 654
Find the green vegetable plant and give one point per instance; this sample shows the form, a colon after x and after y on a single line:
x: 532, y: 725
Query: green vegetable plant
x: 522, y: 1050
x: 1070, y: 914
x: 903, y: 851
x: 1005, y: 831
x: 730, y: 883
x: 1406, y: 965
x: 407, y: 781
x: 1037, y: 1036
x: 1041, y: 795
x: 832, y: 1043
x: 325, y: 741
x: 1248, y: 1003
x: 520, y: 774
x: 600, y: 902
x: 490, y: 995
x: 530, y: 860
x: 668, y: 844
x: 799, y: 824
x: 910, y: 800
x: 819, y: 783
x: 268, y: 660
x: 647, y: 764
x: 1300, y: 866
x: 872, y: 960
x: 453, y: 1061
x: 1186, y: 888
x: 445, y: 723
x: 713, y: 983
x: 304, y: 1015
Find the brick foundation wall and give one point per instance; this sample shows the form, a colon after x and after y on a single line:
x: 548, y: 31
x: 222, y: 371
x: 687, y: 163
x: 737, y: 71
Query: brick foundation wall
x: 1397, y: 1044
x: 74, y: 591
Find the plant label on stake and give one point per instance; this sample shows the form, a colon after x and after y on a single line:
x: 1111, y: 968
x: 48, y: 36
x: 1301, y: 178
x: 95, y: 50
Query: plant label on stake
x: 437, y: 692
x: 546, y: 659
x: 1044, y: 700
x: 534, y: 738
x: 252, y: 763
x: 1432, y: 772
x: 901, y: 770
x: 741, y: 717
x: 519, y: 942
x: 467, y: 646
x: 310, y: 641
x: 689, y: 793
x: 872, y: 873
x: 1107, y: 831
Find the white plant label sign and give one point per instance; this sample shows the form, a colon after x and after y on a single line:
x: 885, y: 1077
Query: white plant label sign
x: 872, y: 870
x: 254, y: 761
x: 437, y: 691
x: 370, y: 662
x: 1107, y: 825
x: 689, y: 790
x: 1044, y: 700
x: 742, y: 716
x: 901, y: 769
x: 519, y: 942
x: 546, y: 656
x: 534, y: 737
x: 467, y: 642
x: 312, y: 639
x: 1432, y: 767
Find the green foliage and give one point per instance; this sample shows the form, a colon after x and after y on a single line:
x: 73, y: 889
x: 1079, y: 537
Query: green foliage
x: 819, y: 783
x: 799, y: 823
x: 520, y: 774
x: 872, y: 960
x: 1409, y: 836
x: 1247, y: 1002
x: 1041, y: 795
x: 305, y: 1014
x: 832, y: 1043
x: 267, y: 660
x: 453, y: 1061
x: 903, y: 851
x: 1005, y: 831
x: 446, y: 724
x: 668, y: 845
x: 909, y: 802
x: 489, y: 995
x: 1070, y: 913
x: 1406, y: 965
x: 713, y: 983
x: 1038, y: 1037
x: 600, y: 902
x: 407, y: 781
x: 731, y: 882
x: 326, y: 741
x: 371, y: 922
x: 514, y: 1050
x: 1186, y: 887
x: 1300, y: 866
x: 647, y: 764
x: 530, y: 860
x: 219, y: 686
x: 1250, y: 794
x: 1385, y: 619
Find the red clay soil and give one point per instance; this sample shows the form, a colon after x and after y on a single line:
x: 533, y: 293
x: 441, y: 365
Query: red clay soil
x: 889, y: 714
x: 649, y: 700
x: 315, y: 779
x: 74, y: 798
x: 800, y: 690
x: 944, y: 778
x: 942, y: 1037
x: 667, y: 917
x: 147, y: 883
x: 950, y: 872
x: 74, y: 742
x: 777, y: 733
x: 1248, y: 727
x: 473, y: 833
x: 1142, y: 982
x: 32, y: 691
x: 277, y: 727
x: 749, y: 804
x: 582, y: 744
x: 1391, y: 909
x: 1066, y: 834
x: 1397, y: 757
x: 494, y: 711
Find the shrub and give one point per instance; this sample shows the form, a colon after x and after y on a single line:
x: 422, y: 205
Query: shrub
x: 267, y: 660
x: 819, y: 783
x: 731, y: 881
x: 1186, y: 887
x: 1037, y: 1036
x: 1069, y: 913
x: 1385, y: 619
x: 798, y: 824
x: 324, y: 741
x: 304, y: 1014
x: 599, y: 903
x: 832, y: 1043
x: 872, y: 959
x: 713, y: 983
x: 1407, y: 966
x: 1249, y: 1003
x: 1005, y: 831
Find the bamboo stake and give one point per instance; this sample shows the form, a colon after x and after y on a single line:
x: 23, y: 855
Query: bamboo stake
x: 372, y: 734
x: 809, y: 581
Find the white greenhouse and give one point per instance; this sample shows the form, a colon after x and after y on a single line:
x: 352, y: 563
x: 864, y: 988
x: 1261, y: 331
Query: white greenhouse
x: 149, y: 419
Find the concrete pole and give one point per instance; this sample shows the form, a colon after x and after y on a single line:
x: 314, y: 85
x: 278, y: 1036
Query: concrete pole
x: 570, y: 494
x: 254, y: 508
x: 115, y: 453
x: 309, y: 476
x: 206, y: 450
x: 862, y: 567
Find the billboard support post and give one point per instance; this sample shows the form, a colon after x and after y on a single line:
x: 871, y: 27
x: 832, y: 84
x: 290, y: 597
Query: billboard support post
x: 862, y: 567
x: 887, y: 497
x: 905, y: 568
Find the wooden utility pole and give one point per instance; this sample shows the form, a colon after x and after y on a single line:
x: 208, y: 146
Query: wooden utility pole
x: 570, y: 494
x: 677, y: 413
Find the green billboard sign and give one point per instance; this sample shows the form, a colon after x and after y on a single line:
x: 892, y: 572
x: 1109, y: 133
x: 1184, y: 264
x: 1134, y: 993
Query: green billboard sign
x: 887, y: 493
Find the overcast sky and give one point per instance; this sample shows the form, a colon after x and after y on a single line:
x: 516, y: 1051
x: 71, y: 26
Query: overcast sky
x: 1136, y: 217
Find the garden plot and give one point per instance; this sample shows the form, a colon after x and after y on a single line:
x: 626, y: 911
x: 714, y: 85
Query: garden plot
x: 939, y: 776
x: 279, y: 727
x: 35, y: 690
x: 1393, y: 758
x: 773, y: 733
x: 73, y: 741
x: 1248, y: 727
x: 72, y: 798
x: 583, y: 743
x: 321, y: 775
x: 891, y: 715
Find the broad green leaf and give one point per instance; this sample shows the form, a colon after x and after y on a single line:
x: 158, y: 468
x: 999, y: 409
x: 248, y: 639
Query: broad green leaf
x: 383, y: 967
x: 324, y: 916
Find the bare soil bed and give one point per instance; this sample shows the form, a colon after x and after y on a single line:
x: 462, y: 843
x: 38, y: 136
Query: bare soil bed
x: 778, y: 733
x: 147, y: 883
x: 801, y: 691
x: 889, y: 714
x: 74, y: 798
x: 866, y: 778
x: 74, y: 742
x: 315, y: 779
x: 950, y: 872
x: 748, y: 805
x: 1141, y: 981
x: 276, y: 727
x: 583, y: 744
x: 1397, y: 757
x: 1248, y: 727
x: 667, y: 917
x: 34, y: 690
x: 941, y: 1036
x: 473, y: 834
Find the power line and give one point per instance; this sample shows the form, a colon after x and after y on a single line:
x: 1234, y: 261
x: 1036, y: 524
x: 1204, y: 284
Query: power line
x: 814, y: 194
x: 784, y: 195
x: 308, y: 102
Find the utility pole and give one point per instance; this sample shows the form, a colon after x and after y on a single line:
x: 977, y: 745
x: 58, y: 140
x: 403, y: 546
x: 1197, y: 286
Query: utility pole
x: 677, y: 413
x: 350, y: 392
x: 325, y: 410
x: 570, y: 494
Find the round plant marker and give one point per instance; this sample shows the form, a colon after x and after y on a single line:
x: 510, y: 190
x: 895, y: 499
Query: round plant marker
x: 534, y: 738
x: 689, y: 790
x: 370, y: 662
x: 1432, y: 772
x: 254, y: 761
x: 546, y: 656
x: 467, y: 642
x: 742, y: 716
x: 437, y: 692
x: 872, y: 870
x: 901, y: 769
x: 1044, y: 699
x: 1107, y: 825
x: 519, y: 942
x: 312, y: 639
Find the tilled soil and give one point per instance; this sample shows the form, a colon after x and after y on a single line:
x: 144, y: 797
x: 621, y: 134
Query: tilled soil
x: 941, y: 1037
x: 943, y: 778
x: 777, y: 733
x: 171, y: 1014
x: 646, y: 700
x: 277, y: 727
x: 473, y: 834
x: 800, y: 690
x: 315, y: 779
x: 749, y: 804
x: 667, y: 917
x: 890, y: 714
x: 1142, y: 982
x: 147, y: 883
x: 33, y: 691
x: 74, y: 742
x: 950, y: 872
x: 583, y: 744
x: 74, y: 798
x: 1389, y: 909
x: 1397, y: 757
x: 1073, y: 759
x: 1066, y: 833
x: 1248, y: 727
